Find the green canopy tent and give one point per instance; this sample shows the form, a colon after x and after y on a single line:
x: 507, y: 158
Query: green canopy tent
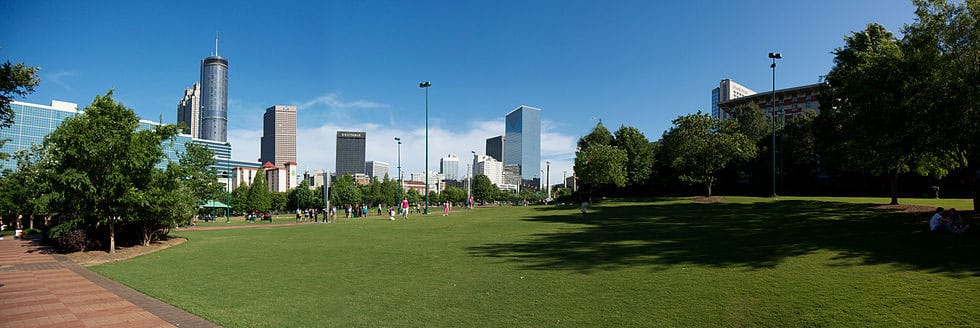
x: 212, y: 204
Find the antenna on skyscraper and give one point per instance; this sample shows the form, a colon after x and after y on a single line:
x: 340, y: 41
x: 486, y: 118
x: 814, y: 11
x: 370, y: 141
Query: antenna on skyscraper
x: 216, y: 43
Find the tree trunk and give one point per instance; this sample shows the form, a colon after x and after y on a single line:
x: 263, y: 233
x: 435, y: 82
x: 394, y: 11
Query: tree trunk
x: 709, y: 189
x: 894, y: 189
x: 112, y: 235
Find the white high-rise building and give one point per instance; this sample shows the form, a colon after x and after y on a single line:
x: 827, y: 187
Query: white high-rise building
x: 490, y: 167
x: 726, y: 90
x: 449, y: 166
x: 376, y: 170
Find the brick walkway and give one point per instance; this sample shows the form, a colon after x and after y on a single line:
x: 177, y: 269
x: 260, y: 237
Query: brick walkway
x: 38, y: 289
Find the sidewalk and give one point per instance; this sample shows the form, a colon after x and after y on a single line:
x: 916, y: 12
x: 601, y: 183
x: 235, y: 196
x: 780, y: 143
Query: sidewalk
x: 38, y: 289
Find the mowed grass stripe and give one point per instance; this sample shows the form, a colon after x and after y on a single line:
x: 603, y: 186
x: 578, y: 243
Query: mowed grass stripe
x: 669, y: 262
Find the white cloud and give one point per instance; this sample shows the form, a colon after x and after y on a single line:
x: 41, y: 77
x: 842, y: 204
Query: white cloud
x: 59, y: 79
x: 316, y: 146
x: 332, y: 101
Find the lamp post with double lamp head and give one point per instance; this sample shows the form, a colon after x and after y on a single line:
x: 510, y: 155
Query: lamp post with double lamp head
x: 772, y: 113
x: 398, y: 201
x: 425, y: 85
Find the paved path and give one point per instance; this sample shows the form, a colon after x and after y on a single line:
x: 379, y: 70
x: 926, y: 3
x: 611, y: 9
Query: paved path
x: 38, y: 289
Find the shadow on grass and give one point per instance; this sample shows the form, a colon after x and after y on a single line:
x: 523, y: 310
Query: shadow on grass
x: 758, y: 235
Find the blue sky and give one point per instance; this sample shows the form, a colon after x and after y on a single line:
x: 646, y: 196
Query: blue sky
x: 356, y: 64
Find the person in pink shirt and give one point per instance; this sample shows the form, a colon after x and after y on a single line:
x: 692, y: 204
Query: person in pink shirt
x: 445, y: 208
x: 405, y: 207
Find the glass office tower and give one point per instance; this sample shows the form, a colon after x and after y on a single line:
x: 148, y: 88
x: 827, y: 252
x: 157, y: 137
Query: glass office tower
x: 350, y: 152
x: 214, y: 98
x: 522, y: 144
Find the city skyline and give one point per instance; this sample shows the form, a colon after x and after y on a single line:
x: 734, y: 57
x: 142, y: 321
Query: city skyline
x: 356, y: 66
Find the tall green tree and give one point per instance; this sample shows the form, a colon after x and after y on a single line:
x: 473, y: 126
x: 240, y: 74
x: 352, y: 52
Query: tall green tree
x: 600, y: 165
x: 698, y: 146
x: 483, y: 189
x: 639, y: 154
x: 600, y: 135
x: 259, y: 196
x: 345, y: 192
x: 301, y: 197
x: 871, y: 103
x: 200, y: 177
x: 15, y: 80
x: 101, y: 165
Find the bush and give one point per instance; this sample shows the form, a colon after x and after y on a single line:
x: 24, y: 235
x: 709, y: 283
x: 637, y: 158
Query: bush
x: 73, y: 241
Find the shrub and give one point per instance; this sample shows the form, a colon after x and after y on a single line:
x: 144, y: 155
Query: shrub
x: 73, y: 241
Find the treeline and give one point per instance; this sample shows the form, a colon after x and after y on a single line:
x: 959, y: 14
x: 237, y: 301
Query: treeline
x: 94, y: 181
x: 892, y: 109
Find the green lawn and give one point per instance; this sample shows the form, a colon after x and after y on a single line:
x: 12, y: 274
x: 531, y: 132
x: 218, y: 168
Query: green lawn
x: 746, y: 262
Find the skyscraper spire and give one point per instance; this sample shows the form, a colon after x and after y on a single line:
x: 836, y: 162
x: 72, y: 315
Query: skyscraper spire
x: 216, y: 43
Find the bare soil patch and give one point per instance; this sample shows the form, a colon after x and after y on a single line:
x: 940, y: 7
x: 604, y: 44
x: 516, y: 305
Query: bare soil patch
x: 91, y: 258
x: 712, y: 199
x: 906, y: 208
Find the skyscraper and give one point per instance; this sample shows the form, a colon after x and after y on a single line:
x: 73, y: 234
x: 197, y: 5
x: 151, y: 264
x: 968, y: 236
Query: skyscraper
x: 522, y: 143
x: 376, y: 169
x: 350, y: 152
x: 495, y: 148
x: 214, y: 97
x: 449, y: 166
x: 279, y: 135
x: 726, y: 90
x: 189, y: 111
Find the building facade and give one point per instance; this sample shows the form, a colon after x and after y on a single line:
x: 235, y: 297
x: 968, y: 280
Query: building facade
x: 279, y: 135
x: 376, y: 170
x: 495, y: 148
x: 32, y: 122
x: 790, y: 102
x: 726, y: 91
x: 350, y: 152
x: 490, y: 167
x: 214, y: 98
x: 449, y: 167
x: 522, y: 143
x: 189, y: 111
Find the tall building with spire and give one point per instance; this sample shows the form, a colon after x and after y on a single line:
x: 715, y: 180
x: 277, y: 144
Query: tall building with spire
x: 189, y: 111
x: 214, y: 97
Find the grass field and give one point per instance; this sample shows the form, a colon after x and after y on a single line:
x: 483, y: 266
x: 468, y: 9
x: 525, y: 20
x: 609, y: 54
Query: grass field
x: 671, y: 262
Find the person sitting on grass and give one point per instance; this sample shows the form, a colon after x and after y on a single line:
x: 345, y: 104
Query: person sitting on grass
x: 935, y: 222
x: 954, y: 222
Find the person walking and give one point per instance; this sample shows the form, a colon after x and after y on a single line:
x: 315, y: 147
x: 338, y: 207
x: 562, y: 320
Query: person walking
x: 445, y: 208
x: 405, y: 208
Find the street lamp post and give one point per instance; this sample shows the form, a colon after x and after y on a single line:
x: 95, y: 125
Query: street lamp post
x: 425, y: 85
x: 398, y: 201
x: 469, y: 188
x: 228, y: 174
x: 547, y: 177
x: 772, y: 113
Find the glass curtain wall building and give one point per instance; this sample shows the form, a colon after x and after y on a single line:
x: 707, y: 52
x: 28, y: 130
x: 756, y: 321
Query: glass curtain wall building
x: 522, y: 144
x: 350, y: 152
x: 32, y: 122
x: 214, y: 98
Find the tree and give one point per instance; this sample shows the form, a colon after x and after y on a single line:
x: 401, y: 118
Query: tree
x: 100, y: 165
x: 259, y: 197
x: 600, y: 165
x: 599, y: 136
x: 945, y: 45
x: 873, y: 101
x: 196, y: 167
x: 239, y: 199
x: 454, y: 194
x: 483, y: 189
x: 698, y: 146
x: 639, y: 154
x: 301, y: 197
x: 15, y: 80
x: 345, y: 191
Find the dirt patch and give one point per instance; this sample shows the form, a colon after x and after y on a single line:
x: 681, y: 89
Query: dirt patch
x: 712, y: 199
x: 906, y: 208
x: 91, y: 258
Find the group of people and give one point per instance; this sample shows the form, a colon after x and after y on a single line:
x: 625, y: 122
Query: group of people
x: 310, y: 214
x: 948, y: 221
